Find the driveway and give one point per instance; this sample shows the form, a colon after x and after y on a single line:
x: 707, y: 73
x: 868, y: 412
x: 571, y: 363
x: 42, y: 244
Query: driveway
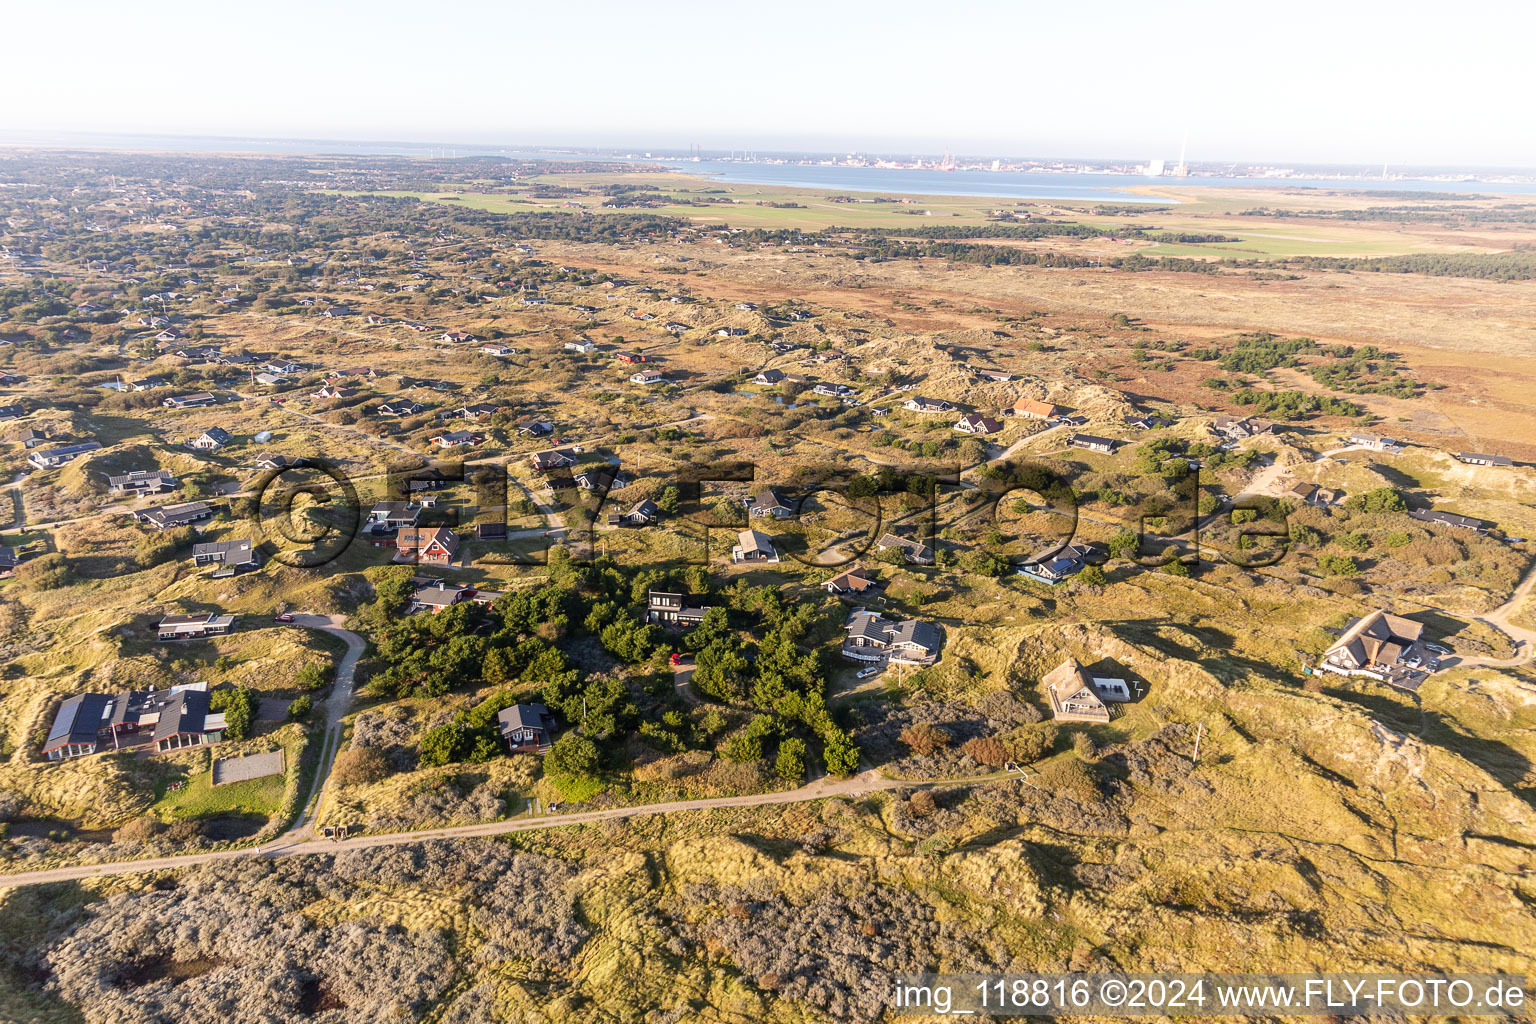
x: 336, y: 707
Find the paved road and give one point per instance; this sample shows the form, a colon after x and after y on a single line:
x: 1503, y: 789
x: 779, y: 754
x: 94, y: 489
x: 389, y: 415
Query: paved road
x: 336, y: 707
x: 292, y: 844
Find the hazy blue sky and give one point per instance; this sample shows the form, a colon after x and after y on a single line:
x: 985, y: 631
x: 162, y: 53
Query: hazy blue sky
x: 1348, y: 81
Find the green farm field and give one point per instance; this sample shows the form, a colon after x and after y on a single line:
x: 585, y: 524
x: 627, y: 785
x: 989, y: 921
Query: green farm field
x: 1208, y: 210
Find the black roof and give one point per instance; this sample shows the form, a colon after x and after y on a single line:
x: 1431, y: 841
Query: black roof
x: 524, y: 716
x: 181, y: 712
x: 223, y: 547
x: 175, y: 515
x: 1446, y: 519
x: 913, y: 631
x: 78, y: 719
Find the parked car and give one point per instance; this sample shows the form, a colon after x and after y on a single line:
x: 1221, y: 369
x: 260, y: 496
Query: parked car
x: 865, y: 673
x: 677, y: 659
x: 285, y: 617
x: 1434, y: 664
x: 1438, y: 649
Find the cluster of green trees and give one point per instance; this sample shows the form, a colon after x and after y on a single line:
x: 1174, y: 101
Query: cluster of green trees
x: 1382, y: 499
x: 1181, y: 237
x: 239, y: 707
x: 1364, y: 371
x: 1173, y: 264
x: 1292, y: 405
x: 929, y: 449
x: 1338, y: 565
x: 1126, y: 209
x: 1030, y: 230
x: 753, y: 652
x: 1259, y: 351
x: 1165, y: 457
x: 430, y: 655
x: 36, y: 297
x: 470, y: 736
x: 969, y: 252
x: 1451, y: 215
x: 890, y: 480
x: 758, y: 651
x: 1504, y: 266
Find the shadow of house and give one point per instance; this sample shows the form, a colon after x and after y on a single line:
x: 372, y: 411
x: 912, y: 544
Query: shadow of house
x: 1509, y: 766
x: 1112, y: 669
x: 1398, y: 479
x: 1225, y: 665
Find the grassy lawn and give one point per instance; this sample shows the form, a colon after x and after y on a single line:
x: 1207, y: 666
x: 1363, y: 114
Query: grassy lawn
x: 814, y: 210
x: 1265, y: 244
x: 817, y: 212
x: 199, y: 798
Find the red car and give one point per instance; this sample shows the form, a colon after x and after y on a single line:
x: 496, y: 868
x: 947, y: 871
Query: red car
x: 285, y: 617
x: 677, y: 659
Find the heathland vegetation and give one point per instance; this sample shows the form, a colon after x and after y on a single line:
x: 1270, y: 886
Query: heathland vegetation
x: 591, y: 385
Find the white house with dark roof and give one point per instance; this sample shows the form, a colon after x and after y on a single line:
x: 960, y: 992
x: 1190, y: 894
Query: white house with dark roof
x: 192, y: 401
x: 48, y: 458
x: 231, y: 556
x: 914, y: 551
x: 274, y: 460
x: 142, y: 481
x: 536, y: 427
x: 1059, y: 563
x: 401, y: 407
x: 211, y: 439
x: 194, y: 626
x: 1375, y: 645
x: 644, y: 512
x: 526, y: 728
x: 476, y: 411
x: 1092, y: 443
x: 601, y: 478
x: 169, y: 517
x: 752, y: 546
x: 1238, y: 428
x: 978, y: 424
x: 394, y: 515
x: 766, y: 504
x: 870, y: 637
x: 1478, y: 459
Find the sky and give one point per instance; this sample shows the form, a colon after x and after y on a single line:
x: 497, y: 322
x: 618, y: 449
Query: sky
x: 1345, y: 81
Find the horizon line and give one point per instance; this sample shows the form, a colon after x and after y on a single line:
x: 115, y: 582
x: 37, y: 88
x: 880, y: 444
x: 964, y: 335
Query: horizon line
x: 19, y: 138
